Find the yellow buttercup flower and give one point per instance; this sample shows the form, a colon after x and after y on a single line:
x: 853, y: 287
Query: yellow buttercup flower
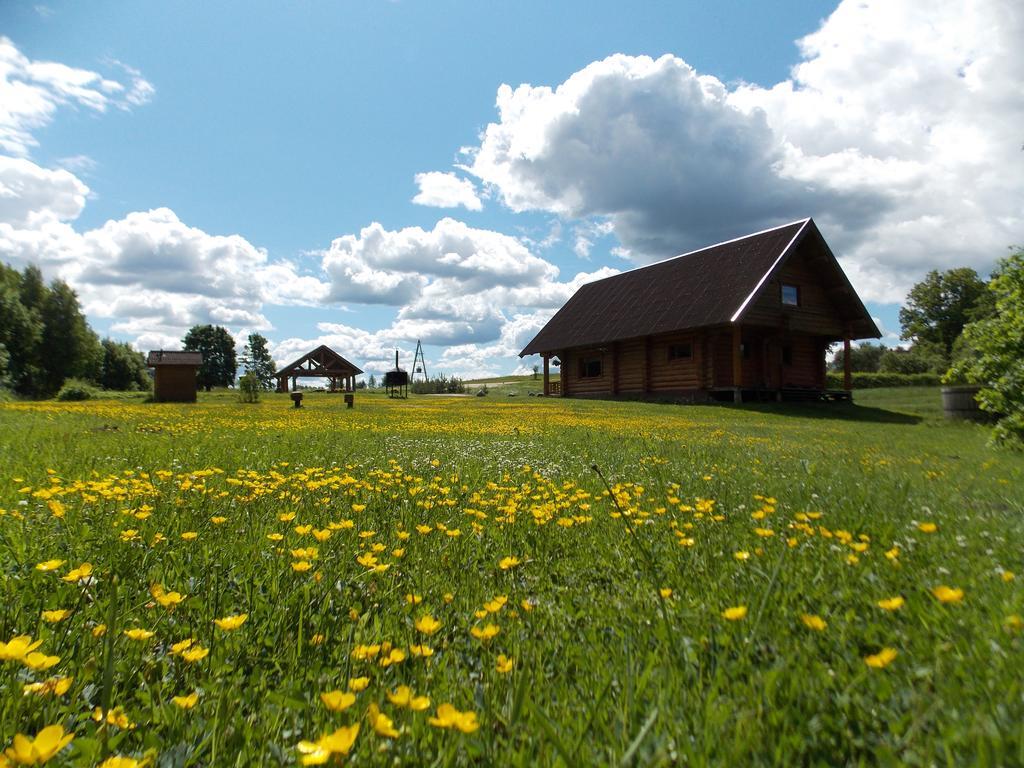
x: 427, y: 624
x: 337, y: 701
x: 741, y: 555
x: 357, y: 684
x: 948, y: 594
x: 138, y: 633
x: 338, y: 743
x: 485, y: 633
x: 49, y: 565
x: 36, y: 751
x: 381, y: 723
x: 449, y: 717
x: 120, y: 761
x: 229, y: 623
x: 665, y: 592
x: 503, y: 664
x: 811, y: 621
x: 40, y: 661
x: 52, y: 617
x: 508, y: 562
x: 301, y: 566
x: 927, y: 527
x: 736, y: 613
x: 891, y: 603
x: 186, y: 702
x: 166, y: 599
x: 882, y: 659
x: 404, y: 697
x: 54, y: 686
x: 189, y: 536
x: 81, y: 573
x: 194, y: 654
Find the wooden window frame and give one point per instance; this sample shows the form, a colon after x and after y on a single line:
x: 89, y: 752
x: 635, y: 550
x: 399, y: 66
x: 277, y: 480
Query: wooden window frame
x: 672, y: 348
x: 782, y: 294
x: 585, y: 366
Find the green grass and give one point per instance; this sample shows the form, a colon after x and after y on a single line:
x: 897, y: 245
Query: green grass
x: 605, y: 669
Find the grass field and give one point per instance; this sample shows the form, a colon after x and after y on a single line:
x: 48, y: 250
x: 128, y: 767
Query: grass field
x: 449, y: 581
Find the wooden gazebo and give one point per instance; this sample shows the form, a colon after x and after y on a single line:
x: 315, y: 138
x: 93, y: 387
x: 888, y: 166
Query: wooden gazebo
x: 322, y: 362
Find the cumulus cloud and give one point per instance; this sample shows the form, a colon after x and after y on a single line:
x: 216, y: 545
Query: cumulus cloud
x: 446, y: 190
x: 31, y: 91
x: 898, y: 132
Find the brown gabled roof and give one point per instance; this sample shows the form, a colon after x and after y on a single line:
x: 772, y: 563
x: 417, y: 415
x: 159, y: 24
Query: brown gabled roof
x: 710, y: 286
x: 173, y: 357
x: 322, y: 361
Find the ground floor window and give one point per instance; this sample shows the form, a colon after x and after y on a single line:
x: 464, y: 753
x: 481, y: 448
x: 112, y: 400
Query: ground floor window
x: 590, y: 367
x: 682, y: 351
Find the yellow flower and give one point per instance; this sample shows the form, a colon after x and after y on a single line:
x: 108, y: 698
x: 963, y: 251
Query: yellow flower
x: 382, y: 724
x: 81, y: 573
x: 424, y: 529
x: 218, y: 519
x: 813, y: 622
x: 182, y: 645
x: 189, y: 536
x: 229, y: 623
x: 47, y: 743
x: 891, y: 603
x: 1014, y: 622
x: 120, y: 761
x: 1005, y: 575
x: 166, y: 599
x: 337, y: 701
x: 927, y: 527
x: 504, y: 664
x: 52, y: 617
x: 302, y: 530
x: 882, y: 659
x: 741, y: 555
x: 736, y: 613
x: 427, y: 624
x: 302, y: 566
x: 948, y: 594
x: 138, y: 633
x: 54, y: 686
x: 665, y: 592
x: 40, y: 661
x: 421, y: 650
x: 357, y: 684
x: 321, y: 535
x: 367, y: 560
x: 99, y: 630
x: 403, y: 696
x: 764, y: 533
x: 275, y: 536
x: 449, y: 717
x: 115, y: 716
x: 413, y: 599
x: 394, y: 656
x: 194, y: 654
x: 486, y: 633
x: 508, y: 562
x: 319, y: 752
x: 49, y: 565
x: 186, y: 702
x: 286, y: 517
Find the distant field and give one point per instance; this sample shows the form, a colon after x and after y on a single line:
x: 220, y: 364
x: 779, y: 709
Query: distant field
x: 228, y: 584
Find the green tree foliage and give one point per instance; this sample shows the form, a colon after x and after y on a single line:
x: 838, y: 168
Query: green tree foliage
x: 70, y: 347
x: 218, y: 349
x: 21, y: 333
x: 920, y: 358
x: 938, y: 308
x: 249, y: 388
x: 441, y: 385
x: 123, y: 367
x: 864, y: 358
x: 256, y: 360
x: 996, y: 359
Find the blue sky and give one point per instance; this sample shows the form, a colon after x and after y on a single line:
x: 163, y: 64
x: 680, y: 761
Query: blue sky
x: 219, y: 149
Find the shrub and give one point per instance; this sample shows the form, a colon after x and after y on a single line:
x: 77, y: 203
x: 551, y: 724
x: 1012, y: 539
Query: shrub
x: 876, y: 380
x: 76, y: 389
x: 249, y: 387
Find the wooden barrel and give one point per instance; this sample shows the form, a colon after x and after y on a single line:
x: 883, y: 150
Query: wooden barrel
x: 960, y: 403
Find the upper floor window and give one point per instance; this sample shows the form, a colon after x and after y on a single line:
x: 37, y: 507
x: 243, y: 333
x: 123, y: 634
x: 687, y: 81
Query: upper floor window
x: 791, y: 295
x: 680, y: 351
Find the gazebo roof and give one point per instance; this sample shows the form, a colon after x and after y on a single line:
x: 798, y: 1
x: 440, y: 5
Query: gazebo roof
x: 322, y: 361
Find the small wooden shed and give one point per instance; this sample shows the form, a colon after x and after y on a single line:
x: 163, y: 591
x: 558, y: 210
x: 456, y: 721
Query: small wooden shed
x: 175, y: 380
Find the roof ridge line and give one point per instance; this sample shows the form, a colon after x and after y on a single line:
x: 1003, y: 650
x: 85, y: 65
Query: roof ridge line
x: 771, y: 269
x: 702, y: 248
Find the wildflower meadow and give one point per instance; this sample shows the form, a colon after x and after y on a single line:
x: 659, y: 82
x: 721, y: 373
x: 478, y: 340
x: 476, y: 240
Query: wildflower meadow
x: 456, y: 581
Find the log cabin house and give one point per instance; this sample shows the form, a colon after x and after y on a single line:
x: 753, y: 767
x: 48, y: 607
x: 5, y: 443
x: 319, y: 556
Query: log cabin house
x: 750, y: 318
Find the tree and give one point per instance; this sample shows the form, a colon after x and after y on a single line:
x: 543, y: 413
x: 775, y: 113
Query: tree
x: 864, y: 358
x: 123, y: 368
x: 939, y: 307
x: 373, y: 381
x: 996, y: 361
x: 218, y: 349
x: 256, y: 360
x: 919, y: 358
x: 21, y: 333
x: 536, y: 370
x: 70, y: 348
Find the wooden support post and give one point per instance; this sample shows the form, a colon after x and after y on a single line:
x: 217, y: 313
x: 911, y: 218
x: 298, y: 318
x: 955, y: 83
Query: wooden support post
x: 737, y: 362
x: 615, y: 368
x: 547, y: 381
x: 647, y: 364
x: 847, y: 375
x: 563, y: 374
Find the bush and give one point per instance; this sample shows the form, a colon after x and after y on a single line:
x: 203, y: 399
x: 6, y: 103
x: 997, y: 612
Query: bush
x: 249, y: 387
x: 442, y: 385
x: 76, y: 389
x: 876, y: 380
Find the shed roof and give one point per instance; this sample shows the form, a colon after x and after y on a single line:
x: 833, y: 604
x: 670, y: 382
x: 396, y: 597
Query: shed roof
x: 159, y: 357
x: 322, y: 361
x: 709, y: 286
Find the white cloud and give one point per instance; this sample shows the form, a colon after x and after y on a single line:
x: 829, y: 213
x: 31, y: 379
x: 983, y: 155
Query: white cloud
x: 446, y: 190
x: 31, y: 197
x: 31, y: 91
x: 899, y: 132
